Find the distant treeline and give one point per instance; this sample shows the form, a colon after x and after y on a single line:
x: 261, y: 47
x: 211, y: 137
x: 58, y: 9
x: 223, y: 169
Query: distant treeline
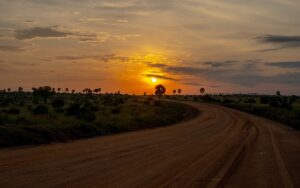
x: 284, y: 109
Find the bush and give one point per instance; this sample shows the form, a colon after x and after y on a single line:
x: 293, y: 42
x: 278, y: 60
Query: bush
x: 87, y: 116
x: 40, y: 110
x: 58, y: 103
x: 228, y: 101
x: 73, y: 109
x: 157, y: 103
x: 59, y: 110
x: 12, y: 111
x: 116, y: 110
x: 251, y: 100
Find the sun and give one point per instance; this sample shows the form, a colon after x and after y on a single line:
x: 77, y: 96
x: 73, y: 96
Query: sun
x: 154, y: 80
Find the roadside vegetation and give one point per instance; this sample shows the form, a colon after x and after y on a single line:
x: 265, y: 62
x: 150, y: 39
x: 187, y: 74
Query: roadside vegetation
x: 277, y: 107
x: 48, y: 115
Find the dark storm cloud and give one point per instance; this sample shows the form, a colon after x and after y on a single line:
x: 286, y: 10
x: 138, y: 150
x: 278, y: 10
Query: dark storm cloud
x: 41, y: 32
x: 287, y: 64
x: 160, y: 76
x: 11, y: 48
x: 280, y: 40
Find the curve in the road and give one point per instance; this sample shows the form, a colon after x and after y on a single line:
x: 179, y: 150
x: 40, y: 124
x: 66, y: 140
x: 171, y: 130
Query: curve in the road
x: 220, y: 148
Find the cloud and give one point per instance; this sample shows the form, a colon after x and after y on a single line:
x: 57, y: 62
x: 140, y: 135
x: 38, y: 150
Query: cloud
x: 11, y: 48
x: 161, y: 77
x: 103, y: 58
x: 219, y: 63
x: 200, y: 85
x: 156, y: 65
x: 280, y: 40
x: 246, y: 75
x: 53, y: 32
x: 287, y: 64
x: 40, y: 32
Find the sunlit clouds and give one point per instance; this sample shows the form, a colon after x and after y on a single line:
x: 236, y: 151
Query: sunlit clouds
x: 224, y: 46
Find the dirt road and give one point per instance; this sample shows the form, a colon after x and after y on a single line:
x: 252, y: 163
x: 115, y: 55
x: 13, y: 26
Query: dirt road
x: 220, y: 148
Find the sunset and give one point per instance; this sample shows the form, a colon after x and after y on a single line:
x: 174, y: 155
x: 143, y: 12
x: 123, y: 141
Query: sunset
x: 226, y: 46
x: 149, y: 93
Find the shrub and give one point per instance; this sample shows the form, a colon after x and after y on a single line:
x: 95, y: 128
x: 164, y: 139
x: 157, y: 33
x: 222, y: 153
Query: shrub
x: 87, y: 116
x: 157, y: 103
x: 58, y: 103
x: 40, y: 110
x: 73, y: 109
x: 251, y: 100
x: 59, y: 110
x: 228, y: 101
x: 116, y: 110
x: 12, y: 111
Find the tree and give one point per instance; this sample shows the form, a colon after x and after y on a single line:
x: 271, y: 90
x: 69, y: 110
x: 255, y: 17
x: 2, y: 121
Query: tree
x: 8, y: 89
x: 87, y: 91
x: 278, y: 93
x: 202, y: 90
x: 67, y: 90
x: 174, y: 91
x: 44, y: 92
x: 160, y: 90
x: 73, y: 91
x: 58, y: 89
x: 20, y: 89
x: 179, y: 91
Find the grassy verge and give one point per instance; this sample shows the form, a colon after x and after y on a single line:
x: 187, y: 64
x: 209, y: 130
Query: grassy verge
x: 283, y: 109
x: 26, y: 120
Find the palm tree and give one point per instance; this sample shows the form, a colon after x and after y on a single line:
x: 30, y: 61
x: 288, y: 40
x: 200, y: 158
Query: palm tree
x: 8, y: 89
x: 202, y: 90
x: 58, y: 89
x: 160, y: 90
x: 73, y: 91
x: 179, y: 91
x: 174, y: 91
x: 67, y: 90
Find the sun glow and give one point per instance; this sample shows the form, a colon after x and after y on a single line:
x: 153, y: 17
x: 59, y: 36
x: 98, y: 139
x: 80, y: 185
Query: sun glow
x: 154, y: 80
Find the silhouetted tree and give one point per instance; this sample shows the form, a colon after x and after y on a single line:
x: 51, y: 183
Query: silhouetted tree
x: 67, y: 90
x: 202, y: 90
x: 58, y: 89
x: 20, y: 89
x: 278, y: 93
x: 44, y: 92
x: 160, y: 90
x: 179, y: 91
x: 174, y: 91
x: 145, y: 93
x: 87, y: 91
x: 8, y: 89
x: 73, y: 91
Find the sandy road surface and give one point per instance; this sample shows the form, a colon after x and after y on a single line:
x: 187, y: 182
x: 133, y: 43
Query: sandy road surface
x: 220, y: 148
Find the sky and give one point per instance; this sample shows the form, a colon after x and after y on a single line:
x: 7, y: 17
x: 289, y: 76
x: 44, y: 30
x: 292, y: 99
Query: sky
x: 225, y: 46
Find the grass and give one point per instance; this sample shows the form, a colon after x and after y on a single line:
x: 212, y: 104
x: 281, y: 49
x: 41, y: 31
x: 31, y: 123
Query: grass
x: 283, y: 109
x: 26, y: 119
